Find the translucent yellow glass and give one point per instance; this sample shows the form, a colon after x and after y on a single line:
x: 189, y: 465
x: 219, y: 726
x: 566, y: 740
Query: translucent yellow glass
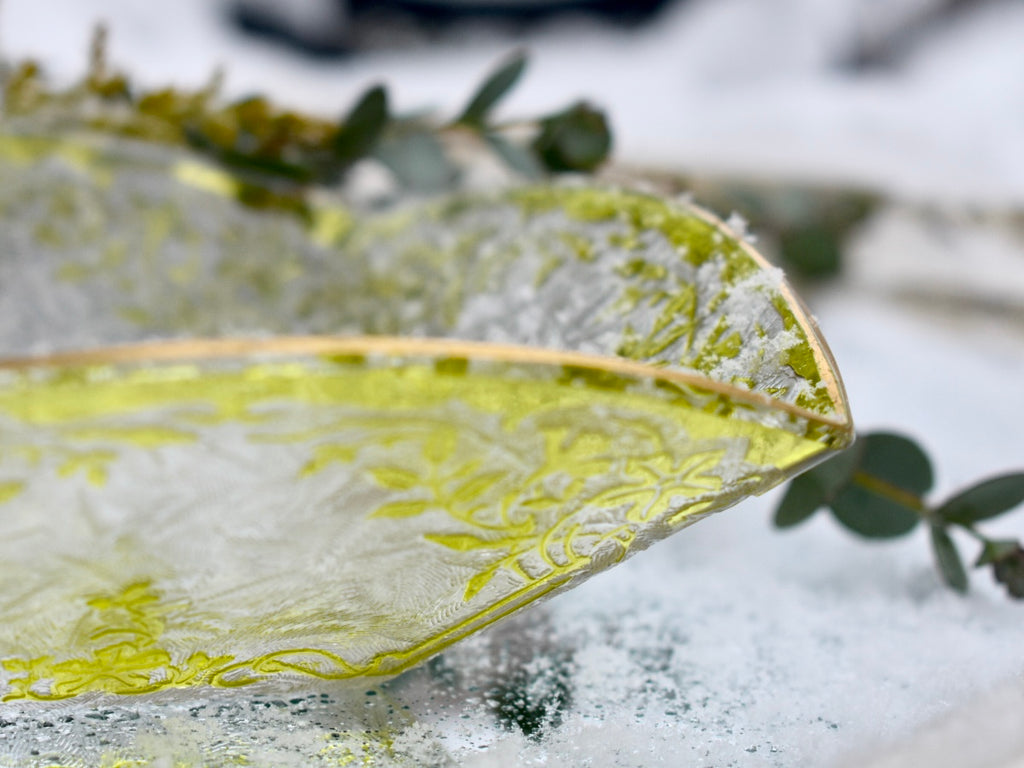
x: 244, y: 447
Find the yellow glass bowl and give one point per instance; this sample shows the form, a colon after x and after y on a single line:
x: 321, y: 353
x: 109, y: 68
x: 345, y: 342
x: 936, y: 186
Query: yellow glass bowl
x: 240, y: 444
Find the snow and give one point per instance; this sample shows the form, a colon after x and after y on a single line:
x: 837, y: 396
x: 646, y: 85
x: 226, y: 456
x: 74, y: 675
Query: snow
x: 768, y: 649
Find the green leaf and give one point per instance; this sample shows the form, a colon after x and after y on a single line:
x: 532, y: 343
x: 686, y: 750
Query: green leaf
x: 994, y: 550
x: 492, y: 90
x: 418, y: 161
x: 401, y: 508
x: 246, y: 162
x: 577, y: 139
x: 947, y: 559
x: 515, y: 157
x: 362, y: 127
x: 984, y: 500
x: 1007, y: 561
x: 871, y: 515
x: 813, y: 250
x: 815, y: 488
x: 883, y: 498
x: 896, y: 459
x: 803, y: 498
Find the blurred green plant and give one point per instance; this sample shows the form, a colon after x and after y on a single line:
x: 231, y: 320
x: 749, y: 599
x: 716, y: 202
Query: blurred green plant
x: 805, y: 228
x: 278, y: 155
x: 282, y: 152
x: 876, y: 489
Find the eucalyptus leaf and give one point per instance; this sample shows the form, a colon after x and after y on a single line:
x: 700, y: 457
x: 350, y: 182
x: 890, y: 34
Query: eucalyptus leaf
x: 816, y: 488
x: 995, y: 550
x: 871, y: 515
x: 248, y: 164
x: 984, y: 500
x: 896, y: 459
x: 492, y: 90
x: 883, y: 497
x: 1008, y: 567
x: 418, y: 161
x: 517, y: 158
x: 947, y: 559
x: 803, y: 498
x: 813, y: 250
x: 876, y: 489
x: 362, y: 127
x: 577, y: 139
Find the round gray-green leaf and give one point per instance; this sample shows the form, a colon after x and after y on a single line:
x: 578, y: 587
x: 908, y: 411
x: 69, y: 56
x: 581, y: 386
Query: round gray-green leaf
x: 815, y: 488
x: 883, y: 497
x: 517, y: 158
x: 803, y: 498
x: 418, y: 161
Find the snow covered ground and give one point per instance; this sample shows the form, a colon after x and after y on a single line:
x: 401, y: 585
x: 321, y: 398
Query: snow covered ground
x: 732, y: 644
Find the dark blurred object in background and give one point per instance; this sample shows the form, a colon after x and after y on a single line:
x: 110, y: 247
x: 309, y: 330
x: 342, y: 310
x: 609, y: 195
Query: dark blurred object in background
x: 328, y: 28
x: 886, y: 33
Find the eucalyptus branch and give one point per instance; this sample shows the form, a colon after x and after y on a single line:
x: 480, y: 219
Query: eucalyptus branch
x: 279, y: 154
x: 877, y: 489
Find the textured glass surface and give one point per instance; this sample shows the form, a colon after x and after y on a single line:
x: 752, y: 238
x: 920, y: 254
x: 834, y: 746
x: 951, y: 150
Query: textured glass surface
x: 324, y: 448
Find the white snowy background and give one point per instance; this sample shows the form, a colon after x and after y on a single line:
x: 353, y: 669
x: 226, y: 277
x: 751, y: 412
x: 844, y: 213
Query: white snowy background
x: 781, y: 649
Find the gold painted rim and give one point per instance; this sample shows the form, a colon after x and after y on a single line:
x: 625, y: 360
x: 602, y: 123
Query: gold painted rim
x: 183, y: 350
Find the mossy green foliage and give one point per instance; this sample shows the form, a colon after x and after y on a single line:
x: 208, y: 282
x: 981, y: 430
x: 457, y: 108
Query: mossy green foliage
x: 804, y: 228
